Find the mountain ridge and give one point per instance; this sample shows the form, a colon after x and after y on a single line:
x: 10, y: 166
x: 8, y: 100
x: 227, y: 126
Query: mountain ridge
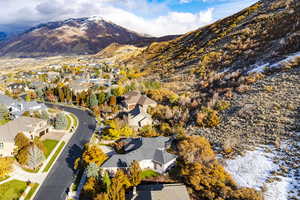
x: 86, y: 35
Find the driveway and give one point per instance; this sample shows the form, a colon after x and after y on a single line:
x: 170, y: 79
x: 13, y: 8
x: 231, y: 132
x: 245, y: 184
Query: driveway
x: 54, y: 135
x: 61, y: 175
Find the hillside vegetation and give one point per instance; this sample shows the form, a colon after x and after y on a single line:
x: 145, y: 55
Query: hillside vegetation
x: 266, y: 31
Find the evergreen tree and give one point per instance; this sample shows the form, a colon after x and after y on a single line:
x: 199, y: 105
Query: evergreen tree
x: 101, y: 98
x: 61, y: 94
x: 61, y: 121
x: 92, y: 170
x: 45, y: 115
x: 35, y: 156
x: 40, y: 93
x: 93, y: 101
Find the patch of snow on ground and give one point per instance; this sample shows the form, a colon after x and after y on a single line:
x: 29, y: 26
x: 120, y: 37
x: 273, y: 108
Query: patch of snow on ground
x: 278, y: 190
x: 260, y: 68
x: 255, y: 167
x: 252, y: 169
x: 286, y: 60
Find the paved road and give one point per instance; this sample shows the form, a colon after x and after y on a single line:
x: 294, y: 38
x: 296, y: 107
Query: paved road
x: 61, y: 174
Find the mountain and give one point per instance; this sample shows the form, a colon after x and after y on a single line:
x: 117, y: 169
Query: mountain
x: 2, y: 36
x: 263, y: 33
x: 72, y: 36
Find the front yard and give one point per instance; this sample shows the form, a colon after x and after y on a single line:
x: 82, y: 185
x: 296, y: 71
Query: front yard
x: 12, y: 190
x: 49, y: 145
x: 54, y: 157
x: 3, y: 121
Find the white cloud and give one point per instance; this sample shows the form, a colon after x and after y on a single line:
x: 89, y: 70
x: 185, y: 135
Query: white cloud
x: 185, y: 1
x: 137, y: 15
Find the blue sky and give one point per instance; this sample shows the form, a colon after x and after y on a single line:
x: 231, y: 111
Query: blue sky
x: 154, y: 17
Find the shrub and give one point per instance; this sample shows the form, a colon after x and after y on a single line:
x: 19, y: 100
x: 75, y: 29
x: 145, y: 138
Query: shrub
x: 195, y: 149
x: 229, y: 144
x: 148, y: 131
x: 203, y: 173
x: 222, y: 105
x: 165, y: 128
x: 246, y: 194
x: 207, y: 117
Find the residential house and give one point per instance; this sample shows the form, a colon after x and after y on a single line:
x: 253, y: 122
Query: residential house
x: 149, y: 152
x: 31, y: 127
x: 17, y: 87
x: 79, y: 85
x: 17, y: 108
x: 52, y: 76
x: 134, y: 98
x: 138, y: 117
x: 37, y: 85
x: 175, y: 191
x: 55, y: 66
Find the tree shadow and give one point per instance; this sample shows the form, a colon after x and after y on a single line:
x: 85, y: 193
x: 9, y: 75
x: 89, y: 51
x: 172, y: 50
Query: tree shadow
x: 75, y: 151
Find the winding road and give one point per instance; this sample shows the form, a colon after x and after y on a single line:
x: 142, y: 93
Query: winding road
x: 62, y: 174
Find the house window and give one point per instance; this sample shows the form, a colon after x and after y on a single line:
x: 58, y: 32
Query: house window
x: 1, y: 145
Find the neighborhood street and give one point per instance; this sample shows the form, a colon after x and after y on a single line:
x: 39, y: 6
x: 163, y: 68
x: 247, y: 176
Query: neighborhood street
x: 60, y: 177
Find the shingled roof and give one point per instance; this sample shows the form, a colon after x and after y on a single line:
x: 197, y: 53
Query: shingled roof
x: 162, y: 192
x: 149, y: 149
x: 135, y: 97
x: 6, y: 100
x: 9, y: 130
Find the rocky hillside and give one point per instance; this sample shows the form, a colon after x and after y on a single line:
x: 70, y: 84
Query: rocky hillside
x: 264, y: 32
x: 73, y: 36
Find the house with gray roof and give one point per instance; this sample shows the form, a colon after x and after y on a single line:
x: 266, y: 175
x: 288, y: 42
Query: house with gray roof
x: 149, y: 152
x: 175, y: 191
x: 17, y: 108
x: 138, y: 117
x: 134, y: 98
x: 31, y: 127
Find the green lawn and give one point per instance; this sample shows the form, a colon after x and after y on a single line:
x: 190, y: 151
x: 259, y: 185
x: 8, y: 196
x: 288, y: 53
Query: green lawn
x: 148, y: 173
x: 75, y: 119
x: 32, y: 190
x: 3, y: 178
x: 69, y: 122
x: 50, y: 145
x: 12, y: 190
x: 54, y: 157
x: 3, y: 121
